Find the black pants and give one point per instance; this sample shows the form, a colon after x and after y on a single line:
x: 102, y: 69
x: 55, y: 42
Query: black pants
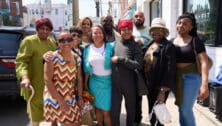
x: 138, y: 116
x: 129, y: 94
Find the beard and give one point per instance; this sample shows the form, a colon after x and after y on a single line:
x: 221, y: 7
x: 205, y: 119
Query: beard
x: 108, y: 29
x: 139, y: 23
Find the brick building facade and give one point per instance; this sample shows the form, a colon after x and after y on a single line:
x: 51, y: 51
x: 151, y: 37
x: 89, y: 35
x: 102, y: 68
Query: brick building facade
x: 13, y: 7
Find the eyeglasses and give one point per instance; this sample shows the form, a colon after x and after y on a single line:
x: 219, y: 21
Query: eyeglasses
x: 63, y: 40
x: 76, y: 35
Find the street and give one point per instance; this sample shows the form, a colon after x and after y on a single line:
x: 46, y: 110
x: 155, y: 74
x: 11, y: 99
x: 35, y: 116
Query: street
x: 13, y: 112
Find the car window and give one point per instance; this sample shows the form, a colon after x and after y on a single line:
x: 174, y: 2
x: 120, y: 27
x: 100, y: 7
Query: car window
x: 9, y: 43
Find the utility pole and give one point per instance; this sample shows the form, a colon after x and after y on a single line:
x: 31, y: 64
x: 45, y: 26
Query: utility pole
x: 97, y: 8
x: 75, y: 11
x: 110, y: 10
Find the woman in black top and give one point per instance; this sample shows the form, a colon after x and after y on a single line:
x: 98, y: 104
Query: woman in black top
x: 160, y: 62
x: 188, y: 81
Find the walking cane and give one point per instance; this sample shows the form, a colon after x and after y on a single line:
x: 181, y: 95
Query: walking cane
x: 29, y: 102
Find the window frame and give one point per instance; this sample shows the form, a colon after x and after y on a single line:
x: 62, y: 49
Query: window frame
x: 217, y: 41
x: 155, y: 4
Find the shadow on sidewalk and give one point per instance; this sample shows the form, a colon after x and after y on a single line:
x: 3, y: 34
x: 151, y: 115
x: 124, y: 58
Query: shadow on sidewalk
x: 123, y: 121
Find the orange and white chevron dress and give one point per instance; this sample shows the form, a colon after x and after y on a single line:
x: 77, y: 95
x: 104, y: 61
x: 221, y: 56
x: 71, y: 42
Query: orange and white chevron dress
x: 64, y: 76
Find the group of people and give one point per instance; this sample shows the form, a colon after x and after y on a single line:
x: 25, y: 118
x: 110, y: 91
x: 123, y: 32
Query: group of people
x: 103, y: 60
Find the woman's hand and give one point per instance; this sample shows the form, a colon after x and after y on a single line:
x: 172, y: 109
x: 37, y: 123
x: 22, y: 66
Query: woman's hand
x: 114, y: 59
x: 64, y: 106
x: 25, y: 82
x: 48, y: 56
x: 204, y: 92
x: 161, y: 97
x: 162, y: 94
x: 81, y: 103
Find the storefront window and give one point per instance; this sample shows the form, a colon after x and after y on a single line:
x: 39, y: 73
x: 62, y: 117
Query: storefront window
x: 205, y: 12
x: 156, y: 8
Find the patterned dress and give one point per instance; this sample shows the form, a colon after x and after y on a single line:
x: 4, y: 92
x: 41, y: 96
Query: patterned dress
x: 64, y: 76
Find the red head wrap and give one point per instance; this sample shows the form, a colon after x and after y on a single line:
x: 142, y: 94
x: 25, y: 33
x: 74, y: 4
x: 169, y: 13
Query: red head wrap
x: 125, y: 24
x: 43, y: 21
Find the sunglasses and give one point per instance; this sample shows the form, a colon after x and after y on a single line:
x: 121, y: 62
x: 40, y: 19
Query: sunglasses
x: 63, y: 40
x: 76, y: 35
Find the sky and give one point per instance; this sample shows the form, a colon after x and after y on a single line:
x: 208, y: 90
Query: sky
x: 86, y: 7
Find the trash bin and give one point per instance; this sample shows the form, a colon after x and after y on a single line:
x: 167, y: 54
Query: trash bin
x: 215, y: 100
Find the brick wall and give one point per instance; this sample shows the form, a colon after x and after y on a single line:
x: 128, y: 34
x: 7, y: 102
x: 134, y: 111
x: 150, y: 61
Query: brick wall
x: 3, y: 4
x: 14, y: 7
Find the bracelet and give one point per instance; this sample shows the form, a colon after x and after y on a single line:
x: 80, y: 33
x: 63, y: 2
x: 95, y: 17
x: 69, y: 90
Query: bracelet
x: 163, y: 90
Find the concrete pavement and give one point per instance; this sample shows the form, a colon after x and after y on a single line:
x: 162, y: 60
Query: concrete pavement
x: 202, y: 114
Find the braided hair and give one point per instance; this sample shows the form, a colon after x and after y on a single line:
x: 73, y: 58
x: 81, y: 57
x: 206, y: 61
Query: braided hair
x: 191, y: 16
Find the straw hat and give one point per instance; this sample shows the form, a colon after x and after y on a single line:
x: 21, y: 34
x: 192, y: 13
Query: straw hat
x: 159, y: 23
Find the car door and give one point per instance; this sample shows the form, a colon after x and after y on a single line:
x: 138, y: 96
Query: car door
x: 9, y: 44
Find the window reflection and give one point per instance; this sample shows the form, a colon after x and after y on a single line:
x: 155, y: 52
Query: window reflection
x: 205, y: 12
x: 156, y: 8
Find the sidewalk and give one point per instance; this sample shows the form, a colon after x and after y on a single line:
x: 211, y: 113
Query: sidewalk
x: 202, y: 114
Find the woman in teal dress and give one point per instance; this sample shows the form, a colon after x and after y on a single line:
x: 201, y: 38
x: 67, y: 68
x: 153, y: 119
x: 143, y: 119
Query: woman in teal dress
x: 97, y: 68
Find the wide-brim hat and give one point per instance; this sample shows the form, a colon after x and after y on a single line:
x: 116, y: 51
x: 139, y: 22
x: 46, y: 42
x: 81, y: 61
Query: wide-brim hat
x: 159, y: 23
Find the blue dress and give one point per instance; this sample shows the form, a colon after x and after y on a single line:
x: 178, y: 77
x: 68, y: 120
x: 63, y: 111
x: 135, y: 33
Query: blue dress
x: 100, y: 86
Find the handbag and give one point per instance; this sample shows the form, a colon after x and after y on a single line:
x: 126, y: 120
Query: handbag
x: 87, y: 96
x: 141, y: 83
x: 162, y: 113
x: 198, y: 64
x: 87, y: 117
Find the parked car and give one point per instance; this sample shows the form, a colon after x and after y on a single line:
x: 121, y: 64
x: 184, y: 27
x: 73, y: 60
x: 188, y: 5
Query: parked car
x: 10, y: 38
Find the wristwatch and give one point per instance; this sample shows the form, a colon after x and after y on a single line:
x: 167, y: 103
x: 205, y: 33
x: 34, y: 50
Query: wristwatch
x: 163, y: 89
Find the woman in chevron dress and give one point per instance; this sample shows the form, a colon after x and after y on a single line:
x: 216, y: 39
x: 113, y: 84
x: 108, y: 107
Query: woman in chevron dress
x: 60, y: 103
